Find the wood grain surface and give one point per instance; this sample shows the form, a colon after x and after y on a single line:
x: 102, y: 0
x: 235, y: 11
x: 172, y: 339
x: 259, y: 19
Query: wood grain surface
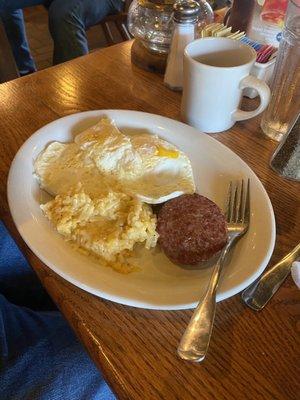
x: 252, y: 355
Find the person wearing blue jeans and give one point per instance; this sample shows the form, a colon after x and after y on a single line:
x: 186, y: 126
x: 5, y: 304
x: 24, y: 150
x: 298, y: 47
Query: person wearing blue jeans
x: 68, y: 22
x: 40, y: 357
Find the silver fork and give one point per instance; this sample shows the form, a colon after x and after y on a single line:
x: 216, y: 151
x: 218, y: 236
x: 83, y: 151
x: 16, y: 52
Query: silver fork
x: 195, y: 340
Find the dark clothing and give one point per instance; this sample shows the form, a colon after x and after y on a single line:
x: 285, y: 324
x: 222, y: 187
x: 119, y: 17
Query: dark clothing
x: 40, y: 357
x: 68, y: 22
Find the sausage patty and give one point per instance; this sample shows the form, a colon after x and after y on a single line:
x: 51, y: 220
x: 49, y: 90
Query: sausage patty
x: 191, y: 229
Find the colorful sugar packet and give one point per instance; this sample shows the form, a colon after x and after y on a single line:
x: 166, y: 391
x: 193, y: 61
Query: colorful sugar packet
x: 264, y: 51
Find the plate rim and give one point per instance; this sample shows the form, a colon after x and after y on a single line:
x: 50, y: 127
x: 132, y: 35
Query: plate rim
x: 121, y: 299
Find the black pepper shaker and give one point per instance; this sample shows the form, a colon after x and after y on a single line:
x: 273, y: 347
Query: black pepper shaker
x: 286, y: 159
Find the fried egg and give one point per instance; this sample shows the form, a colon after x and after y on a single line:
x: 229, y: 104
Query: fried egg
x: 102, y: 157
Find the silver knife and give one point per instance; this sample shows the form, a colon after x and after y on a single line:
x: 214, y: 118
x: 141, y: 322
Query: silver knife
x: 257, y: 295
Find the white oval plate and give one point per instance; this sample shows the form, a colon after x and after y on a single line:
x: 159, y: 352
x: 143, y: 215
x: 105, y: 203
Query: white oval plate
x: 159, y: 284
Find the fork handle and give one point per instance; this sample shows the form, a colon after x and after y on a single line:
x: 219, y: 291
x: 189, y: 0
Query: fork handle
x: 195, y: 340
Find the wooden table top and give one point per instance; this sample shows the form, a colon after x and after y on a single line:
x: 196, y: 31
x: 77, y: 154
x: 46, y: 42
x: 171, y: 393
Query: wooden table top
x: 252, y: 355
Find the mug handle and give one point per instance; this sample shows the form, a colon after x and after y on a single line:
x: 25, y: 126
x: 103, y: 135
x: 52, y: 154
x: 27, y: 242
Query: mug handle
x: 264, y: 94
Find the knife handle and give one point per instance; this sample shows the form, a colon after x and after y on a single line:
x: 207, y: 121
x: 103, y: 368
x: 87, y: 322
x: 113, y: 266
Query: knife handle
x: 258, y: 294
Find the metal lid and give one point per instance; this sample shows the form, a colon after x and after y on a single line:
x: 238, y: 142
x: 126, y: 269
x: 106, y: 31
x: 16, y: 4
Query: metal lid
x: 186, y: 11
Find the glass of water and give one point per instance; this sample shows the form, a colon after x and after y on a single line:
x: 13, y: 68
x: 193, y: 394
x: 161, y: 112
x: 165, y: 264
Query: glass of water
x: 285, y: 86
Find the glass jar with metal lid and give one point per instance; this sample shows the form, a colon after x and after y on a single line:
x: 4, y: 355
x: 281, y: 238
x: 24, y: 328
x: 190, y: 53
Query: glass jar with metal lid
x: 151, y: 22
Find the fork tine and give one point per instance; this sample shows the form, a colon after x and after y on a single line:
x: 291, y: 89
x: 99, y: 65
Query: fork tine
x: 235, y: 203
x: 247, y: 204
x: 241, y: 205
x: 229, y: 211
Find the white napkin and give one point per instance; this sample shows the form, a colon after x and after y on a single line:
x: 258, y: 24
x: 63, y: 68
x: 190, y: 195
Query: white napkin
x: 295, y: 270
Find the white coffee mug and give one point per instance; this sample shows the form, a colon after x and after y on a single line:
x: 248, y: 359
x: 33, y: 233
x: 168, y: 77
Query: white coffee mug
x: 215, y: 72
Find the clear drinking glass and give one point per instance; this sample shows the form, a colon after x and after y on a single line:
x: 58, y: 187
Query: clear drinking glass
x: 285, y: 87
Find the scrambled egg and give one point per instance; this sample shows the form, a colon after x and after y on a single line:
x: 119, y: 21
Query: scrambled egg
x: 107, y: 227
x: 101, y: 183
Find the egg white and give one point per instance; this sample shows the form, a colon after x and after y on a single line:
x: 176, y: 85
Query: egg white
x: 103, y: 158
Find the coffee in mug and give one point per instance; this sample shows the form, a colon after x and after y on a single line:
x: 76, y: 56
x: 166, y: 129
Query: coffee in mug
x: 216, y: 70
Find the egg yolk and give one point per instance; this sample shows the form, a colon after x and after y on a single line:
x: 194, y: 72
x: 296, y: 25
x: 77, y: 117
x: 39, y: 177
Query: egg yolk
x: 163, y: 152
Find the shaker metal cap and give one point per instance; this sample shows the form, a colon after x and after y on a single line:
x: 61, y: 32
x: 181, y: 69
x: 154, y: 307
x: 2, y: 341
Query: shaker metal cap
x: 186, y: 11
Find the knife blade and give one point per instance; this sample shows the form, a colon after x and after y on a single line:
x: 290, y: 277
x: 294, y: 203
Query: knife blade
x: 258, y: 294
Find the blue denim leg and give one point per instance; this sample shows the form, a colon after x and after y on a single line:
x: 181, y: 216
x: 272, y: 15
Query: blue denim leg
x: 12, y: 16
x: 41, y: 359
x: 13, y: 22
x: 68, y: 21
x: 18, y: 283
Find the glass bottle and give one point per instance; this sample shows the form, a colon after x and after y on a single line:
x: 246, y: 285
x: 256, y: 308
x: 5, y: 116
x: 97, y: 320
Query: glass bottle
x: 241, y: 14
x: 273, y: 12
x: 285, y: 86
